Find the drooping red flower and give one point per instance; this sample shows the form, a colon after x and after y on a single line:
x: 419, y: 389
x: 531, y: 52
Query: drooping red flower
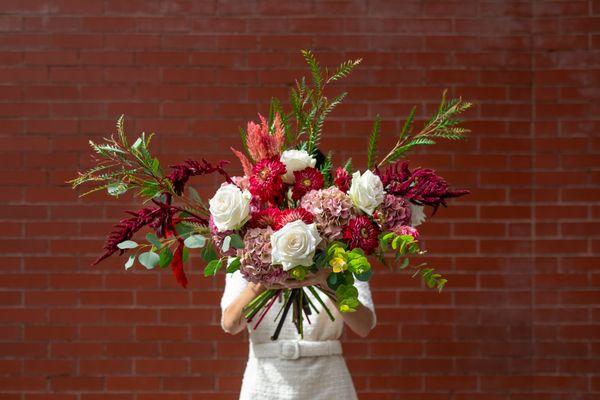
x: 264, y: 218
x: 126, y: 228
x: 177, y: 265
x: 181, y: 173
x: 291, y: 215
x: 421, y: 185
x: 361, y: 233
x: 342, y: 179
x: 266, y: 181
x: 306, y: 180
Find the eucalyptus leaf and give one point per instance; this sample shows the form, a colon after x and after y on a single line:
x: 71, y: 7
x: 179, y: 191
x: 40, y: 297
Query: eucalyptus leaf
x: 226, y: 243
x: 195, y: 241
x: 116, y: 188
x: 127, y: 244
x: 149, y: 259
x: 129, y: 262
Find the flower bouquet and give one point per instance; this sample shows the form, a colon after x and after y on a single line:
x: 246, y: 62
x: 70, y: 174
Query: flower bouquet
x: 292, y: 213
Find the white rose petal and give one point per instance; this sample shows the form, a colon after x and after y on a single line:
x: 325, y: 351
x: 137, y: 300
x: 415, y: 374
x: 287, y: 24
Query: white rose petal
x: 366, y: 191
x: 230, y: 207
x: 417, y: 215
x: 294, y: 245
x: 295, y: 160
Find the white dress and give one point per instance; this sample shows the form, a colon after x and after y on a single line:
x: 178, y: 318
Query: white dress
x: 314, y: 378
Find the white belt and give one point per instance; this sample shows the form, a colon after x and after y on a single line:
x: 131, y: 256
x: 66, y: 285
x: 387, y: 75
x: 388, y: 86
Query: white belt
x: 294, y: 349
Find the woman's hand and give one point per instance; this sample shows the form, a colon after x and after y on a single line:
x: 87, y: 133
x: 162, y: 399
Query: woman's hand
x: 317, y: 279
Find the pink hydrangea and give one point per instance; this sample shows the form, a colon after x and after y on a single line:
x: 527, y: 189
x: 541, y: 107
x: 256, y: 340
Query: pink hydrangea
x: 332, y: 209
x: 255, y: 258
x: 407, y: 230
x: 393, y: 212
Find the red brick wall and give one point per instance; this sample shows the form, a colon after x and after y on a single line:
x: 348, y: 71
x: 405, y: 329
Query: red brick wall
x: 519, y: 319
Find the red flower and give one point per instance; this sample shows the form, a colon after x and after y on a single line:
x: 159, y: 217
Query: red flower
x: 306, y: 180
x: 342, y: 179
x: 362, y: 233
x: 266, y: 181
x: 264, y: 218
x: 291, y: 215
x: 177, y: 266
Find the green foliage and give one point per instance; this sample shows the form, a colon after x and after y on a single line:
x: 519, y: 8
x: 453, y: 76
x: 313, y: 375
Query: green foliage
x: 121, y: 167
x: 233, y: 264
x: 372, y: 150
x: 213, y: 267
x: 310, y: 107
x: 194, y: 241
x: 326, y: 169
x: 443, y: 124
x: 405, y: 245
x: 344, y: 69
x: 166, y: 256
x: 149, y: 259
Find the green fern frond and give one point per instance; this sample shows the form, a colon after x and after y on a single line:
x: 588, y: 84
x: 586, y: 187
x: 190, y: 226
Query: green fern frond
x: 373, y: 139
x: 344, y: 69
x: 315, y: 68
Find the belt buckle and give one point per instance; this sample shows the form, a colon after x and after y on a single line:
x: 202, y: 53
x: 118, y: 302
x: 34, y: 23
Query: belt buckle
x: 289, y: 349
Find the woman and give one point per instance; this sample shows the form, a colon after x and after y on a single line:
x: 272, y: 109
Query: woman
x: 290, y: 368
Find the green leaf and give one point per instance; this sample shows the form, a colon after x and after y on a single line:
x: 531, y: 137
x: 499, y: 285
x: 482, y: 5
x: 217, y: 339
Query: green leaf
x: 208, y: 253
x: 165, y: 257
x: 195, y: 242
x: 372, y: 150
x: 130, y: 261
x: 149, y: 259
x: 213, y: 267
x: 404, y: 263
x: 151, y: 237
x: 365, y: 276
x: 183, y: 229
x: 236, y: 241
x: 233, y: 264
x: 127, y: 244
x: 194, y: 195
x: 408, y: 123
x: 185, y: 254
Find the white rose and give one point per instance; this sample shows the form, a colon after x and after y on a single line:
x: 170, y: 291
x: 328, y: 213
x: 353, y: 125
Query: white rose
x: 417, y: 215
x: 229, y: 207
x: 294, y: 245
x: 366, y: 191
x: 296, y: 160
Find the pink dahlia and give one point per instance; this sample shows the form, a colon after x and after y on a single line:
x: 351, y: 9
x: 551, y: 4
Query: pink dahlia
x: 264, y: 218
x: 306, y: 180
x: 255, y: 258
x: 392, y: 212
x: 342, y: 179
x: 362, y: 233
x: 407, y: 230
x: 332, y: 209
x: 293, y: 214
x: 266, y: 181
